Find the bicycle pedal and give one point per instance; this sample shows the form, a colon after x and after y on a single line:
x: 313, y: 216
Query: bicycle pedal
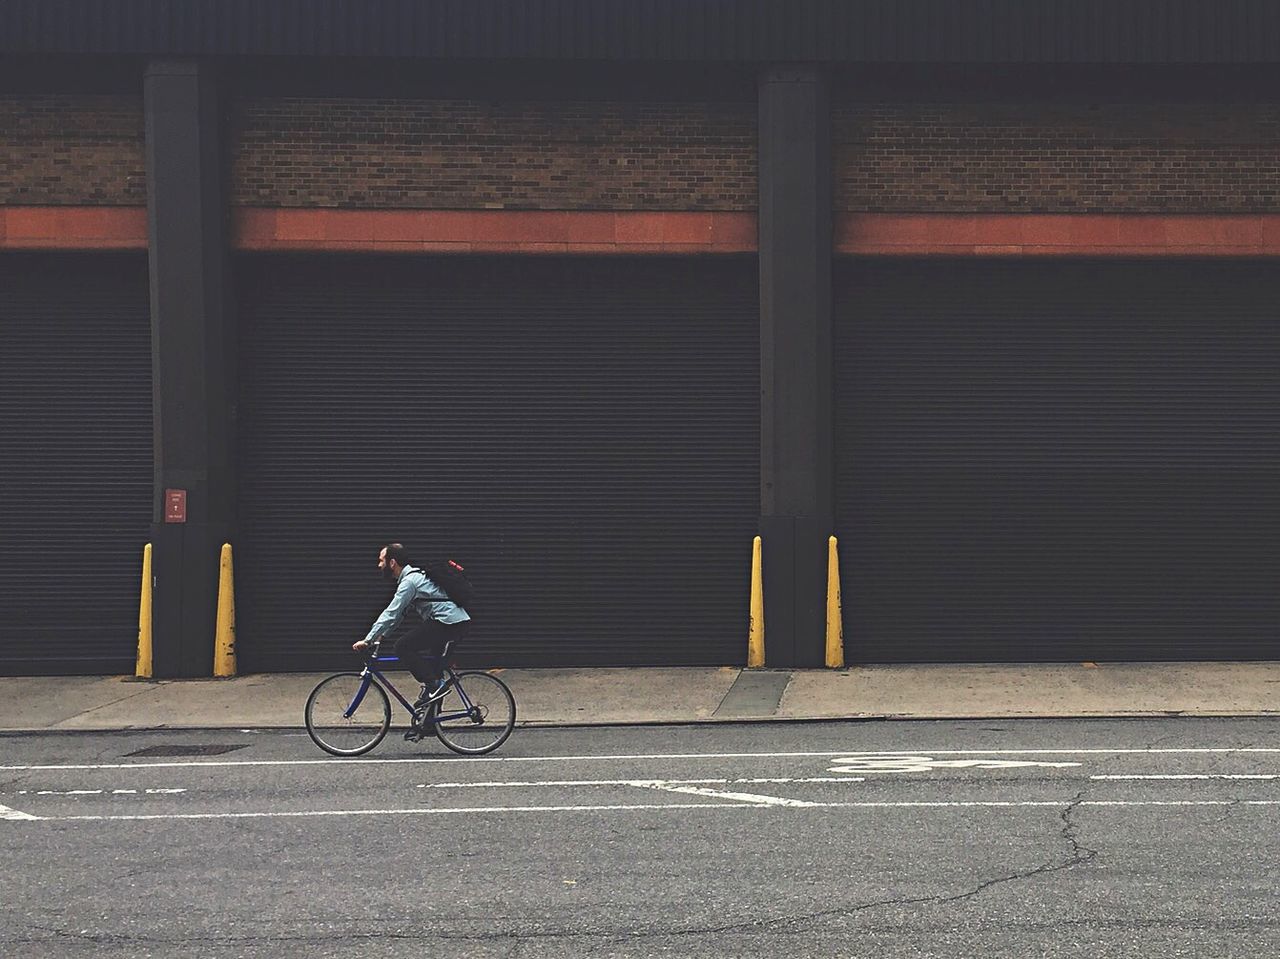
x: 414, y: 736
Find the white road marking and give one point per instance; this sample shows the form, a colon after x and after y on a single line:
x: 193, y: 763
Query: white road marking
x: 1119, y: 751
x: 15, y: 815
x: 751, y: 798
x: 393, y: 812
x: 640, y: 782
x: 754, y: 804
x: 69, y: 792
x: 911, y: 763
x: 809, y: 779
x: 97, y: 792
x: 1192, y: 776
x: 1183, y: 802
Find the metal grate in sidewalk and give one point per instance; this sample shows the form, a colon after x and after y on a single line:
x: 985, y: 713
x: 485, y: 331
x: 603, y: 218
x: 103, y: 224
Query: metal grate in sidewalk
x: 178, y: 749
x: 754, y: 693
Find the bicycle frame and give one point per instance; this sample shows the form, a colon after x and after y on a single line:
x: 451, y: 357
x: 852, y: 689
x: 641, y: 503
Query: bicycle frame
x: 371, y: 674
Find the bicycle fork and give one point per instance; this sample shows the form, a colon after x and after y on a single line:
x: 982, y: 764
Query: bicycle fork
x: 366, y: 679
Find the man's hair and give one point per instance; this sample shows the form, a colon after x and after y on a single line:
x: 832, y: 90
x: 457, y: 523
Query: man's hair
x: 397, y: 552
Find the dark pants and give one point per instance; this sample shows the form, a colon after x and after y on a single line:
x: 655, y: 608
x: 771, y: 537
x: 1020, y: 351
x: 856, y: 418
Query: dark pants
x: 415, y: 648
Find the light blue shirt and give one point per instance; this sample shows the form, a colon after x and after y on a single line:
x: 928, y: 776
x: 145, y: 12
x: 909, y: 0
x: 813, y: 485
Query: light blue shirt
x: 416, y: 591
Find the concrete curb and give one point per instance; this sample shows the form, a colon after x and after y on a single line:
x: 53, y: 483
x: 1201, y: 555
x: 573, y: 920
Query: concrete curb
x: 721, y: 721
x: 602, y: 697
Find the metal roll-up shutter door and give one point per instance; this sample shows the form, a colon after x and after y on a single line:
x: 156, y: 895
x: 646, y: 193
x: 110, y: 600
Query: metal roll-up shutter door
x: 75, y: 484
x: 582, y: 434
x: 1059, y: 461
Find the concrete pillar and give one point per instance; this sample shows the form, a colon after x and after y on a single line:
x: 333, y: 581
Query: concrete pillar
x: 797, y: 472
x: 193, y: 360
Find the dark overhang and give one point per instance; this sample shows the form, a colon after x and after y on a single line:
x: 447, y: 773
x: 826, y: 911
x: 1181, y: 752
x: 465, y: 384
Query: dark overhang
x: 835, y: 31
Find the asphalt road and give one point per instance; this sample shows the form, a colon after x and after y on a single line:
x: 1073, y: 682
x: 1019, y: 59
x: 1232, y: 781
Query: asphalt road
x: 1032, y: 838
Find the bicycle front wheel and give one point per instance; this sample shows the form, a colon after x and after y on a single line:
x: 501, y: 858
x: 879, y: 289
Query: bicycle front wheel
x: 476, y: 715
x: 344, y: 718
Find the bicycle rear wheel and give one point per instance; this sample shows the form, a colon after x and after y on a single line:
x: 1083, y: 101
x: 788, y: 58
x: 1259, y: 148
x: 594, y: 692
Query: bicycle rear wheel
x: 340, y: 734
x: 476, y: 715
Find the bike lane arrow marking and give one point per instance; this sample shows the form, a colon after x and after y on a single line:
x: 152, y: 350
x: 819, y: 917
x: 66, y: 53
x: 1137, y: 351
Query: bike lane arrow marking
x: 15, y: 815
x: 922, y: 764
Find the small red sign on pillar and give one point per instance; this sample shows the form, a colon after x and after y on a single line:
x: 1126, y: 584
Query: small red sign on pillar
x: 175, y: 506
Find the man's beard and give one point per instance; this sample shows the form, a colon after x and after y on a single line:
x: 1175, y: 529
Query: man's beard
x: 389, y: 575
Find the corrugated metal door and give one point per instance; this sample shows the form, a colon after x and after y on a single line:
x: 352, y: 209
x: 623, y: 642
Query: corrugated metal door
x: 1049, y: 461
x: 75, y: 479
x: 582, y: 434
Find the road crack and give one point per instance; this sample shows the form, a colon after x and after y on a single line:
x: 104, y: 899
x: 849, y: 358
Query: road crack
x: 1080, y: 855
x: 62, y: 724
x: 1227, y: 814
x: 1077, y: 855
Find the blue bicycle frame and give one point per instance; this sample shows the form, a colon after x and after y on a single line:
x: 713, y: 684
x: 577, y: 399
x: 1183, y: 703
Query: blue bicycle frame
x: 371, y: 673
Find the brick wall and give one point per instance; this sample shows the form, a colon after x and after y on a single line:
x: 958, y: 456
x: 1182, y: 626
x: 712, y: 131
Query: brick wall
x: 1057, y: 157
x: 469, y: 154
x: 1050, y: 157
x: 72, y: 150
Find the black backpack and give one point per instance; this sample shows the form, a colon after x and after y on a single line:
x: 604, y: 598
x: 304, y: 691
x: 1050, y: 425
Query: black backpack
x: 452, y: 578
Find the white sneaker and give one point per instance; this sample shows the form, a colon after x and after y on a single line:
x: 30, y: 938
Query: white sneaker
x: 428, y: 694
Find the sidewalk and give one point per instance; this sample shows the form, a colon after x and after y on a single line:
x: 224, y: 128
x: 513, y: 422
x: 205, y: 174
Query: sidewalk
x: 554, y: 697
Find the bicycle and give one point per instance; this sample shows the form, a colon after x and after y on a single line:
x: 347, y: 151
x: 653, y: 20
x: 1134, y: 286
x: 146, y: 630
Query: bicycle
x: 349, y: 713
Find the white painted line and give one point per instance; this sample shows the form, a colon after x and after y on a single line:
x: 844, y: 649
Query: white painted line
x: 1120, y: 751
x: 393, y: 812
x: 69, y: 792
x: 915, y: 763
x: 1060, y: 803
x: 766, y: 780
x: 97, y: 792
x: 1184, y: 802
x: 752, y: 798
x: 1169, y: 776
x: 14, y: 815
x: 569, y: 782
x: 754, y: 804
x: 637, y: 782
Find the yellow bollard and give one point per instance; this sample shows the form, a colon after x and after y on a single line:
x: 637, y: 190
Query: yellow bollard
x: 755, y: 634
x: 835, y: 625
x: 142, y: 669
x: 224, y: 641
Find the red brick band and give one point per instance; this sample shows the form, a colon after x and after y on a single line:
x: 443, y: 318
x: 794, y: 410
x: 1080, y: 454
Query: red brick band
x: 495, y: 231
x: 1017, y: 234
x: 73, y: 228
x: 635, y: 232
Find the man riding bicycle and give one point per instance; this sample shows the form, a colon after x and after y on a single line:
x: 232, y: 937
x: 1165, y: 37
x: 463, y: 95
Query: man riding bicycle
x: 442, y: 620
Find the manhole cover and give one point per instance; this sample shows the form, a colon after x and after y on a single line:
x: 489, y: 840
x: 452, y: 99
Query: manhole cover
x: 206, y: 749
